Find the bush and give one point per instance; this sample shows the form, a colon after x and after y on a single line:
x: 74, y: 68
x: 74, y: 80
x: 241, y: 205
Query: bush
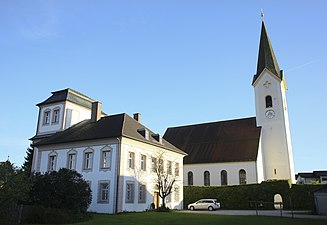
x: 238, y: 196
x: 42, y: 215
x: 64, y: 189
x: 162, y: 209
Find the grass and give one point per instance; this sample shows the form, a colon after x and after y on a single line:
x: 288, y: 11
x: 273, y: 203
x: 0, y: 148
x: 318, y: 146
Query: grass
x: 175, y: 218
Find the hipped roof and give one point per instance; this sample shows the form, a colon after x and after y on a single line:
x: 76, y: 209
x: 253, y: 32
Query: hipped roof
x: 114, y: 126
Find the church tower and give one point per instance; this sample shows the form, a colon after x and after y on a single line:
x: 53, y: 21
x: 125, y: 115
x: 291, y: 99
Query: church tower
x: 272, y: 114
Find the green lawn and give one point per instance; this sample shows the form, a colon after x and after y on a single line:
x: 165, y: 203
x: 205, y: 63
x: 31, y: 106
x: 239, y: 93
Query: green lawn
x: 175, y: 218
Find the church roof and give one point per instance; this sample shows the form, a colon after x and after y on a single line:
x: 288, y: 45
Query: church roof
x: 225, y: 141
x: 70, y: 95
x: 266, y: 57
x: 113, y: 126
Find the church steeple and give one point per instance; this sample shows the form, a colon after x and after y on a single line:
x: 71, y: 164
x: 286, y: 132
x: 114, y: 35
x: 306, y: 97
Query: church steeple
x: 266, y: 58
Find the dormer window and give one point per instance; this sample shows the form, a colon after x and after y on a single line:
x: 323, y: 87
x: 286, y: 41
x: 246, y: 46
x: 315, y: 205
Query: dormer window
x: 144, y: 132
x: 157, y: 137
x: 55, y: 116
x: 46, y: 117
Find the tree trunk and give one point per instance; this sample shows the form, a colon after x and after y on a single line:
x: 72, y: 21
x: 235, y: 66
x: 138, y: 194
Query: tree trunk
x: 163, y: 204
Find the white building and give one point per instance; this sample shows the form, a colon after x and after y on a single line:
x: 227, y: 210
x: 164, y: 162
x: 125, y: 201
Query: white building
x: 247, y: 150
x: 115, y: 153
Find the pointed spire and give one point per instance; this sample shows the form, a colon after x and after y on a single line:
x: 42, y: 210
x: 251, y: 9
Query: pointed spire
x: 266, y: 57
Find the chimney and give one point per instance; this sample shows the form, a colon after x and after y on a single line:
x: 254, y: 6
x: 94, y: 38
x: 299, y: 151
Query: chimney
x: 137, y: 117
x: 96, y: 111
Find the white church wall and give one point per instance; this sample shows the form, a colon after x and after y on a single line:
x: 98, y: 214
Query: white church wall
x: 259, y: 164
x: 215, y: 169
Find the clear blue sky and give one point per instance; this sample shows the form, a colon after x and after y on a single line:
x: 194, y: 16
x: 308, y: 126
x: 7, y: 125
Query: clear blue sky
x: 175, y: 62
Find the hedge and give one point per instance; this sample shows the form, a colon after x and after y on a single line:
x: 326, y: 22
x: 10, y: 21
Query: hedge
x: 238, y: 196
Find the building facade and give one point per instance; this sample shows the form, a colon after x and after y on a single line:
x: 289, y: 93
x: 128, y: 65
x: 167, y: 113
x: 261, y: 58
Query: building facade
x: 116, y: 154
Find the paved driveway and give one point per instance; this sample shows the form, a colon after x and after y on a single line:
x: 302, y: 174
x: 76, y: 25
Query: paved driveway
x: 285, y: 213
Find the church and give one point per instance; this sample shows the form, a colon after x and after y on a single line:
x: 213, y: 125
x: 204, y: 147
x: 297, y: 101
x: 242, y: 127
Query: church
x: 117, y: 154
x: 246, y: 150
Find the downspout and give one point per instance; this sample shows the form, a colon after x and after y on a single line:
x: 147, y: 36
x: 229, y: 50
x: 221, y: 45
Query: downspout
x: 118, y: 154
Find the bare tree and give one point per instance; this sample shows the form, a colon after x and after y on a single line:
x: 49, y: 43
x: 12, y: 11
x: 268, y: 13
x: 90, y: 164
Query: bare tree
x: 164, y: 179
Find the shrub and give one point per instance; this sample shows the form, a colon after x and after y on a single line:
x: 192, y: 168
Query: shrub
x: 64, y: 189
x: 238, y: 196
x: 42, y: 215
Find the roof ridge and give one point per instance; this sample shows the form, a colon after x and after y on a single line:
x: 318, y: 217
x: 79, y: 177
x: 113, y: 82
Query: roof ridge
x: 214, y: 122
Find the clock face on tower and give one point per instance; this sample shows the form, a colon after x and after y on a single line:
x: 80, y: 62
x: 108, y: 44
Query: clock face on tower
x: 270, y: 114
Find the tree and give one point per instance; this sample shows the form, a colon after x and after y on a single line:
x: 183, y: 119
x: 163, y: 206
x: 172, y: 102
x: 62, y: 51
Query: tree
x: 63, y: 189
x: 14, y: 190
x: 27, y: 165
x: 164, y: 179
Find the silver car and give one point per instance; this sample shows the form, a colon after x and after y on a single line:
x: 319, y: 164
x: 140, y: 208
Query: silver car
x: 209, y: 204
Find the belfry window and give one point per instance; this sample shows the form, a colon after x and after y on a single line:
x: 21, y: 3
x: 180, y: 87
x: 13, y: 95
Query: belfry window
x: 269, y: 101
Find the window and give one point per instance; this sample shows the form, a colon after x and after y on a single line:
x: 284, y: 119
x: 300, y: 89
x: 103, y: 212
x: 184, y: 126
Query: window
x: 161, y: 165
x: 142, y: 193
x: 176, y: 194
x: 46, y: 117
x: 242, y: 175
x: 105, y: 158
x: 223, y: 177
x: 190, y: 178
x: 131, y: 160
x: 129, y: 192
x: 71, y: 160
x: 55, y: 116
x: 52, y: 161
x: 269, y: 101
x: 143, y: 162
x: 176, y: 169
x: 169, y: 167
x: 206, y: 178
x: 103, y: 194
x: 154, y: 164
x: 88, y: 159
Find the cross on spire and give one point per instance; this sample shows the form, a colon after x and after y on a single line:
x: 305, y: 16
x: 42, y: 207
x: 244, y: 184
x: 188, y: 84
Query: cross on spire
x: 262, y: 15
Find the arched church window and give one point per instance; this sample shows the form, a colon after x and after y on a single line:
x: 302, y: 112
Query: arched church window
x: 223, y: 177
x: 242, y: 176
x: 269, y: 101
x: 206, y: 178
x: 190, y: 178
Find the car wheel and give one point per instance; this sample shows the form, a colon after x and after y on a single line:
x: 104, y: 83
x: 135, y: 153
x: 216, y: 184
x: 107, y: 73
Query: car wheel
x: 210, y: 208
x: 192, y: 208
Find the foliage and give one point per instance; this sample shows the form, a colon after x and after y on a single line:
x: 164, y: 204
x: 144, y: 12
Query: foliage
x: 64, y: 189
x: 14, y: 190
x: 176, y: 218
x: 238, y: 197
x: 162, y: 209
x: 302, y: 196
x: 27, y: 165
x: 42, y: 215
